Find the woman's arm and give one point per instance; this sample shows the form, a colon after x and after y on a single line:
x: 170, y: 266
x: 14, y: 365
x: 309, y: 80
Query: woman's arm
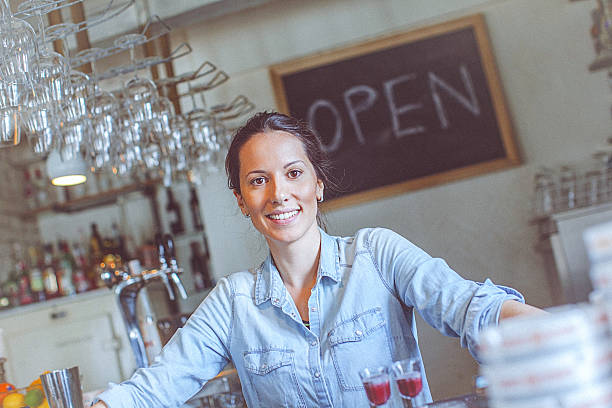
x: 195, y: 354
x: 512, y: 308
x: 454, y: 306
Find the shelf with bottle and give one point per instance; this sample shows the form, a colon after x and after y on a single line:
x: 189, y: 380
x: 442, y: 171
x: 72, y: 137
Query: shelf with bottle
x: 48, y: 272
x: 176, y: 221
x: 570, y: 187
x: 79, y: 198
x: 45, y: 274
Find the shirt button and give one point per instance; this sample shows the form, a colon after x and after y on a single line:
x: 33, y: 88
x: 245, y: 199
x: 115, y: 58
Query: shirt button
x: 313, y: 309
x: 317, y: 374
x: 358, y: 332
x: 313, y: 343
x: 292, y: 314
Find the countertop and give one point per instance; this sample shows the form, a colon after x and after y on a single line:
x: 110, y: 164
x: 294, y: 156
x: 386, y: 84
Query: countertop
x: 56, y: 302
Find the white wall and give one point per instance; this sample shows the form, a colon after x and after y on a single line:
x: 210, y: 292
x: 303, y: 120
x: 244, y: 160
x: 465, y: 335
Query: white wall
x: 13, y: 228
x: 480, y: 225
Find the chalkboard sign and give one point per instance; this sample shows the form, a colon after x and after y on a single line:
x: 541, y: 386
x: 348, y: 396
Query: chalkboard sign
x: 403, y: 112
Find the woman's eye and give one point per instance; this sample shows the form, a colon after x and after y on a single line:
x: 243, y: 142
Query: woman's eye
x: 294, y: 173
x: 258, y: 181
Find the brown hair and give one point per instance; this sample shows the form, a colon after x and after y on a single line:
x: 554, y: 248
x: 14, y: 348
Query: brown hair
x: 267, y: 121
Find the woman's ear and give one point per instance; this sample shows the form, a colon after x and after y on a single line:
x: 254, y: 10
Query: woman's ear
x: 319, y: 190
x: 241, y: 204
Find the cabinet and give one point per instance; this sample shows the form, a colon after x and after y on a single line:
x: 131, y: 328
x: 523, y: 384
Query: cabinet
x: 563, y: 246
x: 85, y: 330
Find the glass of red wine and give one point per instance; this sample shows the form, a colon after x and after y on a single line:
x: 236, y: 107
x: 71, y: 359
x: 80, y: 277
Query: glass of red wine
x: 407, y: 375
x: 376, y: 384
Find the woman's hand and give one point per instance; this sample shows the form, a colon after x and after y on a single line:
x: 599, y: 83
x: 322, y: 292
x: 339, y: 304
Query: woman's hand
x: 513, y: 308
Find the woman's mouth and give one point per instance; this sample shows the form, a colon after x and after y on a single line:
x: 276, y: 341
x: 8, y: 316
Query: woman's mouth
x: 283, y: 216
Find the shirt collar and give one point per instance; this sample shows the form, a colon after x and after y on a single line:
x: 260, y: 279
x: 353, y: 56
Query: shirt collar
x: 269, y: 285
x: 329, y: 261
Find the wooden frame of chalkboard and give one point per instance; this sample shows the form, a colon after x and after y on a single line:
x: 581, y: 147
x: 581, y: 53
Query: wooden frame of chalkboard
x: 403, y: 112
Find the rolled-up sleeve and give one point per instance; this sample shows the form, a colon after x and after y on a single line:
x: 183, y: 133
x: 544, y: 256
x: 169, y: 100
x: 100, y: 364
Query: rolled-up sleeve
x: 455, y: 306
x: 195, y: 354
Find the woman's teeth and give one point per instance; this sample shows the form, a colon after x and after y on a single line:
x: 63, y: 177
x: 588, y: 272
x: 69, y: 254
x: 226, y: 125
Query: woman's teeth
x: 283, y: 216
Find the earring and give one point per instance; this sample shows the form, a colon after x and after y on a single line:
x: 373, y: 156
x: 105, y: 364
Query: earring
x: 320, y: 199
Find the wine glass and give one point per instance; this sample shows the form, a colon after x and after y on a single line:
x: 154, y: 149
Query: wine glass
x: 407, y: 375
x: 376, y: 384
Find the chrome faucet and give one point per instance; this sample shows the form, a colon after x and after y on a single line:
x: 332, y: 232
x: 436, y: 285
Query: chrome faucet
x: 127, y: 282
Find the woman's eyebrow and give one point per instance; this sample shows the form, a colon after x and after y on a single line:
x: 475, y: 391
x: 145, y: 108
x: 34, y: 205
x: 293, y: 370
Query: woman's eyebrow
x: 285, y: 166
x: 292, y: 163
x: 255, y: 171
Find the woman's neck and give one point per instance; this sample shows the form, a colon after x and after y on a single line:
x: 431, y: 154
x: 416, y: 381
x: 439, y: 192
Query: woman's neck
x: 297, y: 262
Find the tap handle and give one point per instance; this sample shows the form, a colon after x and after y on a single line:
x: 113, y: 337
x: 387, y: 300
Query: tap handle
x: 108, y: 278
x: 166, y: 282
x: 170, y: 250
x: 161, y: 250
x: 179, y: 285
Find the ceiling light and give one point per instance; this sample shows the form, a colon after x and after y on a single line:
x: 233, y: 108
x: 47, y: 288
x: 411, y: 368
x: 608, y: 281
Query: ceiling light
x: 66, y: 172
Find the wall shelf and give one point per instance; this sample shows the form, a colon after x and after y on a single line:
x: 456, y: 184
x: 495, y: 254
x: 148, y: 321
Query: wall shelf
x: 92, y: 201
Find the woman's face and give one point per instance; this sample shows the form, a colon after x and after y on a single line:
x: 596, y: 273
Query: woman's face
x: 279, y: 188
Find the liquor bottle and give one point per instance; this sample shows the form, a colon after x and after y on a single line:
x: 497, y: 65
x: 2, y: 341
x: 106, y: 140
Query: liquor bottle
x: 96, y: 245
x: 23, y: 278
x: 194, y: 206
x: 65, y: 270
x: 36, y: 280
x: 96, y: 255
x: 50, y: 282
x: 25, y: 294
x: 5, y: 303
x: 10, y: 288
x: 42, y: 195
x: 119, y: 243
x: 174, y: 213
x: 79, y: 277
x: 199, y: 268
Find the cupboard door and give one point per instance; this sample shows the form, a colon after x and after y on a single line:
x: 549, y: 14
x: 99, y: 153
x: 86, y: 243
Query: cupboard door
x: 87, y: 342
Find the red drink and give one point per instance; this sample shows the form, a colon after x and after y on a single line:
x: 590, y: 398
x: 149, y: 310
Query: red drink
x: 410, y: 386
x: 378, y: 390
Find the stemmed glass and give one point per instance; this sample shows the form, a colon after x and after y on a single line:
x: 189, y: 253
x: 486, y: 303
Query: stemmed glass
x: 18, y: 49
x: 376, y: 384
x: 39, y: 115
x: 407, y: 375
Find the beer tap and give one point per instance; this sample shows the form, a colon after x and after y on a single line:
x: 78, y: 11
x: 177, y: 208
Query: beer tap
x: 174, y: 269
x: 163, y: 265
x: 127, y: 282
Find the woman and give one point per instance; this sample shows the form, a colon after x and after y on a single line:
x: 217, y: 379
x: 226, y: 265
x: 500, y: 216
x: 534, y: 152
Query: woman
x: 320, y: 308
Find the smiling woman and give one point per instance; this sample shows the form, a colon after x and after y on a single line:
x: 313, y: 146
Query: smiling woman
x: 320, y: 309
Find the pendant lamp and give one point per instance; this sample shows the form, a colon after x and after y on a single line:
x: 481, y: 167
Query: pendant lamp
x: 66, y: 172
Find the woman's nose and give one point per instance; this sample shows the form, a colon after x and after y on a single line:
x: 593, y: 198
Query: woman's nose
x: 279, y: 192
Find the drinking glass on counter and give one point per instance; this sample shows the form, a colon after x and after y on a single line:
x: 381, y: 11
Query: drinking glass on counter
x: 376, y: 384
x: 544, y: 193
x: 407, y: 375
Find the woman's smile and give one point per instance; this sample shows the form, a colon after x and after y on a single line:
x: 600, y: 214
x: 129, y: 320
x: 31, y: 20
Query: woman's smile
x: 283, y: 217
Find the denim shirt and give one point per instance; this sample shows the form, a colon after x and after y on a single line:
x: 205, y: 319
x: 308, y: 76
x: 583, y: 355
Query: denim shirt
x: 361, y: 313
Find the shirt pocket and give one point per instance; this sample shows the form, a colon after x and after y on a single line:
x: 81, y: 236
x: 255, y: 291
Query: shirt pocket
x: 358, y: 343
x: 272, y: 376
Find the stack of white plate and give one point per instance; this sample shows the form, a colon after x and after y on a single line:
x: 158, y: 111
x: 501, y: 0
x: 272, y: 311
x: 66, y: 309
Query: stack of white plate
x: 598, y: 244
x: 557, y: 360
